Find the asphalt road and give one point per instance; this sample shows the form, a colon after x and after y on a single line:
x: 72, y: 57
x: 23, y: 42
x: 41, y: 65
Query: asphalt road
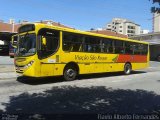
x: 138, y: 93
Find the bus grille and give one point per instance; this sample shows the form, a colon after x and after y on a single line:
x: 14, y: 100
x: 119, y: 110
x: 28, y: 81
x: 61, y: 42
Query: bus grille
x: 19, y: 69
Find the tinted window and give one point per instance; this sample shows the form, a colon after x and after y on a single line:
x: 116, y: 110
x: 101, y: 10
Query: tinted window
x: 129, y: 46
x: 118, y: 45
x: 136, y: 48
x: 107, y: 46
x: 26, y: 28
x: 72, y: 42
x: 52, y: 41
x: 92, y: 44
x: 140, y: 49
x: 145, y: 50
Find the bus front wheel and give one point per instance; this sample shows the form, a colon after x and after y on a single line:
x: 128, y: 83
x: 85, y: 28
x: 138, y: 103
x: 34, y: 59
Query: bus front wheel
x: 127, y: 69
x: 70, y: 73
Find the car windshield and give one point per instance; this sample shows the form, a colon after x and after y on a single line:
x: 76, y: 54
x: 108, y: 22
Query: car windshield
x: 26, y: 45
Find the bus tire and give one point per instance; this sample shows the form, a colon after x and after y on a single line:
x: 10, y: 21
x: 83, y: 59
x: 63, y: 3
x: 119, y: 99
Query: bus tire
x: 127, y: 68
x: 70, y: 73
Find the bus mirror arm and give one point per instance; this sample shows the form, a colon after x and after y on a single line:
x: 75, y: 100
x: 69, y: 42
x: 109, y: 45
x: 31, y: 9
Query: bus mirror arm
x: 13, y: 44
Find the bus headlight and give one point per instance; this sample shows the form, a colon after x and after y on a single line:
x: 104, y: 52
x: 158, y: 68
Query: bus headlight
x: 29, y: 64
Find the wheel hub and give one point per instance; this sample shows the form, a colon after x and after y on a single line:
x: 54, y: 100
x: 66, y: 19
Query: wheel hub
x: 70, y: 73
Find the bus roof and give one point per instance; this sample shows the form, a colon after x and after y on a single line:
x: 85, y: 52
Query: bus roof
x: 42, y: 25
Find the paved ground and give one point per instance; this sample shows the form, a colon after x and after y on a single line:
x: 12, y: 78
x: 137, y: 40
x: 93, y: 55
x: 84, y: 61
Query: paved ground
x: 137, y: 93
x: 7, y: 68
x: 6, y: 60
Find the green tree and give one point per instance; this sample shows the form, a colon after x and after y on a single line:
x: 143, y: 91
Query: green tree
x: 155, y: 9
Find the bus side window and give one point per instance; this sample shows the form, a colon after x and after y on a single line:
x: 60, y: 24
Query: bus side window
x: 66, y: 42
x: 77, y: 43
x: 49, y: 41
x: 92, y: 44
x: 139, y: 48
x: 107, y: 46
x: 145, y: 49
x: 119, y: 48
x: 87, y: 44
x: 129, y: 46
x: 72, y: 42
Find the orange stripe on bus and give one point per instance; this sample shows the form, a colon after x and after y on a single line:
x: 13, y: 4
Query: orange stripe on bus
x: 132, y: 58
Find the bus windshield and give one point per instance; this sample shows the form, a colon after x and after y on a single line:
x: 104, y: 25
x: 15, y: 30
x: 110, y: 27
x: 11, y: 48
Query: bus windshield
x: 27, y: 45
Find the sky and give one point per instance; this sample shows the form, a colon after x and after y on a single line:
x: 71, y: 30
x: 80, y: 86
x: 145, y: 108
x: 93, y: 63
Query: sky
x: 80, y: 14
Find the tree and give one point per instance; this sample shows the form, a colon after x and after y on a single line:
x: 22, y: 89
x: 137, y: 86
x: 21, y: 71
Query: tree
x: 155, y: 9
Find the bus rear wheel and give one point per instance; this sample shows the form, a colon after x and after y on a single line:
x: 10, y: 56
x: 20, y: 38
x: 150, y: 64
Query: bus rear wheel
x: 70, y: 73
x: 127, y: 69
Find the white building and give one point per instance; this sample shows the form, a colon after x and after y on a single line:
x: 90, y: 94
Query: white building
x: 144, y: 31
x: 156, y: 22
x: 123, y: 26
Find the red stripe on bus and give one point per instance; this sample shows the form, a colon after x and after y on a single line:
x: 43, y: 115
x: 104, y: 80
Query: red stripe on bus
x: 132, y: 58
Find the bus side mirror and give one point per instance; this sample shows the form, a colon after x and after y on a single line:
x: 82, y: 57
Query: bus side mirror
x: 44, y: 42
x: 14, y: 41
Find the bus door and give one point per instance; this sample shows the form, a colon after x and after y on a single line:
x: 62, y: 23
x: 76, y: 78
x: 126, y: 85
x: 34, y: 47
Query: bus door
x: 49, y: 43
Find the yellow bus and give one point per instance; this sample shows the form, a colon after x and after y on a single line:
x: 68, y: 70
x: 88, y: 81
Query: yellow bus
x: 46, y: 50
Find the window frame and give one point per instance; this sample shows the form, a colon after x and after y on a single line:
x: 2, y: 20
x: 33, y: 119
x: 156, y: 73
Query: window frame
x: 39, y: 41
x: 102, y: 44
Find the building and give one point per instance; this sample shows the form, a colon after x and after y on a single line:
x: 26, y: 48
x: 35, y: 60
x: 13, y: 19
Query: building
x: 156, y: 22
x: 123, y: 26
x: 144, y: 31
x: 11, y: 26
x: 7, y: 29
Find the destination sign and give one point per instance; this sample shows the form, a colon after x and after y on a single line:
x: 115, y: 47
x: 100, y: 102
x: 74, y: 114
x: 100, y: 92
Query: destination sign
x: 26, y: 28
